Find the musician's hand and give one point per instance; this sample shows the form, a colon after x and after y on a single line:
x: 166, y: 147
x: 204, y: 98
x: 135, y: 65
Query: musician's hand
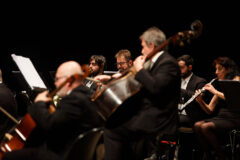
x: 8, y: 136
x: 103, y: 78
x: 43, y: 97
x: 210, y: 88
x: 199, y: 98
x: 116, y: 75
x: 138, y: 63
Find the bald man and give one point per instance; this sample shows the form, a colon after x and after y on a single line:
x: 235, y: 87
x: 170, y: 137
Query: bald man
x: 75, y: 114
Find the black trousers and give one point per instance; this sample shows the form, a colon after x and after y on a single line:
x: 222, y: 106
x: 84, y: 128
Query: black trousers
x: 123, y: 144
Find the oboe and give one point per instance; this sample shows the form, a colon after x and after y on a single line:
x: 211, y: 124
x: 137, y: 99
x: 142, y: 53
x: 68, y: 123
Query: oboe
x: 195, y: 96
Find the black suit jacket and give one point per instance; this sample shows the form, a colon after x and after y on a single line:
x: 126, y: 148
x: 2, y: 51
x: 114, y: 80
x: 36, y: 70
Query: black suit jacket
x: 93, y: 86
x: 7, y: 102
x: 194, y: 83
x: 157, y: 101
x: 75, y: 114
x: 193, y: 110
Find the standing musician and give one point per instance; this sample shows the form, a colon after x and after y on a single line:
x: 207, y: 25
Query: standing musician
x: 75, y: 114
x: 155, y: 109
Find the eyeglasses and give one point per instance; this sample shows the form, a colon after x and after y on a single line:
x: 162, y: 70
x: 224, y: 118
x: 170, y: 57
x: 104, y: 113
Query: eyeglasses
x: 120, y: 63
x: 57, y: 78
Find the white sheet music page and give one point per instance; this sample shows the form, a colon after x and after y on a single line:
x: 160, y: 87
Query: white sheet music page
x: 29, y: 72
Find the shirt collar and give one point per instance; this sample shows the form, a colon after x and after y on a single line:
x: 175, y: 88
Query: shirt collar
x: 155, y: 57
x: 188, y: 78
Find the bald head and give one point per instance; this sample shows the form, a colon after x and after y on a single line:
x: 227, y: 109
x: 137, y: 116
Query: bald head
x: 69, y: 68
x: 64, y: 71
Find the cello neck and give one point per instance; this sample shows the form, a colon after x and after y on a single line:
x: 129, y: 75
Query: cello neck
x: 9, y: 115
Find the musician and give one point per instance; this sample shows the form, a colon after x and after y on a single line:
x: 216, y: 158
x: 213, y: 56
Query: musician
x: 75, y: 114
x: 123, y: 59
x: 154, y: 108
x: 96, y: 66
x: 8, y: 103
x: 189, y: 84
x: 209, y: 130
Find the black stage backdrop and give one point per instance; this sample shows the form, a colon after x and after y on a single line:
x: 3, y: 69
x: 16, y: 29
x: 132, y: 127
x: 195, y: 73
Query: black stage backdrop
x: 52, y: 34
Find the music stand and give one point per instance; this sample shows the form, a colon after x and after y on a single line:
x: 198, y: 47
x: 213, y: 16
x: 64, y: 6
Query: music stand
x: 231, y: 90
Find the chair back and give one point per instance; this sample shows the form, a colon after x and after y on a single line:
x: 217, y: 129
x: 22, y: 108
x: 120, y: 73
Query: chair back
x: 84, y: 146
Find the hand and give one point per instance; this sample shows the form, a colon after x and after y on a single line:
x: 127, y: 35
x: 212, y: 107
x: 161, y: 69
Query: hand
x: 43, y: 97
x: 8, y: 136
x: 210, y: 88
x: 116, y: 75
x: 103, y: 78
x: 199, y: 98
x: 138, y: 63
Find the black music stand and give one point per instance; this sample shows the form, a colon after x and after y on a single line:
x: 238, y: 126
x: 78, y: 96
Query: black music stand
x: 231, y: 90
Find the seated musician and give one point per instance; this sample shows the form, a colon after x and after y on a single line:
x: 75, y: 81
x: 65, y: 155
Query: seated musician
x: 9, y: 104
x: 208, y: 130
x: 96, y: 67
x: 190, y: 82
x: 75, y: 114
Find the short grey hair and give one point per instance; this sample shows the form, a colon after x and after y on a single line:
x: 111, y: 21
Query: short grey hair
x: 153, y: 35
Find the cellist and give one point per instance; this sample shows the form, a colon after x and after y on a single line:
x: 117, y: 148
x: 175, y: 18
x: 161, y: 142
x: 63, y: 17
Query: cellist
x: 75, y: 114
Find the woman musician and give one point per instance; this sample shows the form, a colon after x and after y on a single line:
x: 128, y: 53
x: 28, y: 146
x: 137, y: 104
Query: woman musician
x: 208, y: 130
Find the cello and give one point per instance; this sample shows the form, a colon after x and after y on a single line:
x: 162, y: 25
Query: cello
x: 116, y: 92
x: 25, y: 127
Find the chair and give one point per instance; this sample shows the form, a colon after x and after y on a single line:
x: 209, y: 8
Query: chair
x: 234, y: 136
x: 84, y: 146
x: 187, y: 146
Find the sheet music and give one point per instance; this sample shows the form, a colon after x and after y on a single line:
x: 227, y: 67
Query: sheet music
x: 29, y: 72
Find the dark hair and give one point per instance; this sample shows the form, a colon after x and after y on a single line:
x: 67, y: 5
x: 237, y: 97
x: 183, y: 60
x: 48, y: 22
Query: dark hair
x: 99, y: 59
x: 187, y: 59
x: 228, y: 63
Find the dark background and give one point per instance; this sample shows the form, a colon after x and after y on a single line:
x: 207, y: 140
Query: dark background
x: 51, y: 34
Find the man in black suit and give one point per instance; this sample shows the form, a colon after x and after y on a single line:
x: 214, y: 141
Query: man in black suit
x: 74, y: 114
x: 8, y: 103
x: 189, y: 84
x: 154, y: 107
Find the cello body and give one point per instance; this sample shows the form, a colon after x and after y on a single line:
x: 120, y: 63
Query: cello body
x: 115, y: 93
x: 20, y: 135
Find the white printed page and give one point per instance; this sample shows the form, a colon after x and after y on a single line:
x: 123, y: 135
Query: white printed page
x: 29, y: 72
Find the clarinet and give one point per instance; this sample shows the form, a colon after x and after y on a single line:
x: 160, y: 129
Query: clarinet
x: 195, y: 96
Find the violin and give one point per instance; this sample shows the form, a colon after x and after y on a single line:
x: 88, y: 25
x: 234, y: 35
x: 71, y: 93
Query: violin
x: 27, y: 124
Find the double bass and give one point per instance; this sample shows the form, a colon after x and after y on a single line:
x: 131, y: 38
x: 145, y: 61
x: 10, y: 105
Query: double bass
x: 25, y: 127
x: 116, y: 92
